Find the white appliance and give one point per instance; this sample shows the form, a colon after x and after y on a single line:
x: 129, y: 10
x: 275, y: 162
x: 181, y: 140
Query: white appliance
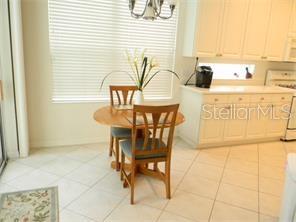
x: 289, y: 197
x: 286, y: 79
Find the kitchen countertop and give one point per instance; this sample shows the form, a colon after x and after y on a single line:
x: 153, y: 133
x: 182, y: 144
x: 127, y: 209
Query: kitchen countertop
x: 240, y: 90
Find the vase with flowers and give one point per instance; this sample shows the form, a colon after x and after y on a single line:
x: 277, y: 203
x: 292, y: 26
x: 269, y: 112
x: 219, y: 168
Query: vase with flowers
x: 144, y: 70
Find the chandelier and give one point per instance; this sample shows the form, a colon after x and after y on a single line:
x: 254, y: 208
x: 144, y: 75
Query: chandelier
x: 152, y: 9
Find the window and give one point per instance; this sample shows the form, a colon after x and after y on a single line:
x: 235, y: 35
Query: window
x: 88, y: 40
x: 231, y: 71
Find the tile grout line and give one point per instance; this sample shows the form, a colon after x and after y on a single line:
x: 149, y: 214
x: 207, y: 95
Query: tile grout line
x: 117, y: 205
x: 65, y: 176
x: 161, y: 210
x: 185, y: 173
x: 220, y: 181
x: 64, y: 209
x: 123, y: 201
x: 89, y: 188
x: 56, y: 157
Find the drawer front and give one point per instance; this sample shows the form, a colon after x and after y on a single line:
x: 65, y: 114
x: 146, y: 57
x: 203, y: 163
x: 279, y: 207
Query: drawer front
x: 215, y: 99
x: 235, y: 99
x: 281, y: 98
x: 261, y: 98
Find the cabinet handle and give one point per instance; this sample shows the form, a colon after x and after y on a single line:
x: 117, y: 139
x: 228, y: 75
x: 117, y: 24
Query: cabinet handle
x: 240, y: 99
x: 262, y: 98
x: 219, y: 55
x: 263, y: 57
x: 283, y: 98
x: 216, y: 100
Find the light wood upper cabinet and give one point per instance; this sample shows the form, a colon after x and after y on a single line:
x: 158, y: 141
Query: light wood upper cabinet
x: 218, y: 29
x: 267, y: 29
x: 234, y: 24
x: 257, y: 28
x: 293, y: 21
x: 208, y: 26
x: 278, y: 29
x: 248, y: 29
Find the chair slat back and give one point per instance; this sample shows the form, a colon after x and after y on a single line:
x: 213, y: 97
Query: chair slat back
x: 155, y: 119
x: 124, y: 95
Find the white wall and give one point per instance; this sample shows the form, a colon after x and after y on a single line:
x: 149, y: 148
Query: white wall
x: 62, y: 124
x: 51, y: 124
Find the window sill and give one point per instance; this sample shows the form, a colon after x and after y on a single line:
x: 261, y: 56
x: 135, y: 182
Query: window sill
x: 102, y: 101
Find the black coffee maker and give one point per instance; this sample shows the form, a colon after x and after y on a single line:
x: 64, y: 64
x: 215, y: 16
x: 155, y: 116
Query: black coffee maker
x: 204, y: 76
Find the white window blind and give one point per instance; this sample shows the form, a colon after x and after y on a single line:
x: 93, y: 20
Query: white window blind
x: 88, y: 40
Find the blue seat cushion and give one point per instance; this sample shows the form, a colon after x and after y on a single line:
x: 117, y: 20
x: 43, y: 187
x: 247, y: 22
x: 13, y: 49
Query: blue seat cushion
x: 121, y: 132
x: 126, y: 146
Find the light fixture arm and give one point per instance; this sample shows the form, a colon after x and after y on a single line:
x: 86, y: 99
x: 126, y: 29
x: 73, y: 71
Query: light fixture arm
x: 132, y: 4
x: 172, y: 8
x: 156, y: 5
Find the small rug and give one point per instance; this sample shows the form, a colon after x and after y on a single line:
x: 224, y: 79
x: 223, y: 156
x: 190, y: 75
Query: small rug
x: 38, y: 205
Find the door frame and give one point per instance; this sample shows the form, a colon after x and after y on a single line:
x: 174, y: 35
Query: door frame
x: 8, y: 105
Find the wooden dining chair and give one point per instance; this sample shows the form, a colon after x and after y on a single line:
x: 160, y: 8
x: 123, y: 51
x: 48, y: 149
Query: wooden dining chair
x: 152, y: 147
x: 124, y: 97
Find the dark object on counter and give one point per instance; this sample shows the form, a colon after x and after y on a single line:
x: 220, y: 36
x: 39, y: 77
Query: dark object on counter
x: 204, y: 76
x: 248, y: 74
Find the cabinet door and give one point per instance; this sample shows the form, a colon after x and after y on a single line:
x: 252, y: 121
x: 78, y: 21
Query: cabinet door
x: 277, y: 122
x: 278, y: 29
x: 235, y: 127
x: 234, y: 25
x: 256, y: 126
x: 257, y: 27
x: 208, y: 27
x: 293, y: 21
x: 211, y: 131
x: 211, y: 128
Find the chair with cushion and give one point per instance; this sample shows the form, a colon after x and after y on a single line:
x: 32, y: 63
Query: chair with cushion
x: 151, y: 147
x: 122, y: 100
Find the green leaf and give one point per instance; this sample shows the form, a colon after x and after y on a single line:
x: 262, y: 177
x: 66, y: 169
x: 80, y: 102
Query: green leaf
x: 106, y: 76
x: 143, y: 72
x: 156, y: 73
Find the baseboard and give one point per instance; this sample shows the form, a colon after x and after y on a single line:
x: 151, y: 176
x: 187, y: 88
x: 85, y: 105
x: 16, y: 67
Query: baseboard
x: 238, y: 142
x: 187, y: 139
x: 12, y: 155
x: 57, y: 143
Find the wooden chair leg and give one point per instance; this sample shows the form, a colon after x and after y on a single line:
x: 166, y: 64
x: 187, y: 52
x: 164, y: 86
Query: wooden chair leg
x: 111, y: 145
x: 132, y: 183
x: 117, y: 154
x: 155, y: 166
x: 168, y: 179
x: 122, y: 165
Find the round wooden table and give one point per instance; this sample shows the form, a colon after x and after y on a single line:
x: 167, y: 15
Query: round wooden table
x: 110, y: 116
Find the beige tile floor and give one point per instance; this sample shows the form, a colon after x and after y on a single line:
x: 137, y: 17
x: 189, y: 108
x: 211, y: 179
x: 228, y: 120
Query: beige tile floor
x: 238, y: 183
